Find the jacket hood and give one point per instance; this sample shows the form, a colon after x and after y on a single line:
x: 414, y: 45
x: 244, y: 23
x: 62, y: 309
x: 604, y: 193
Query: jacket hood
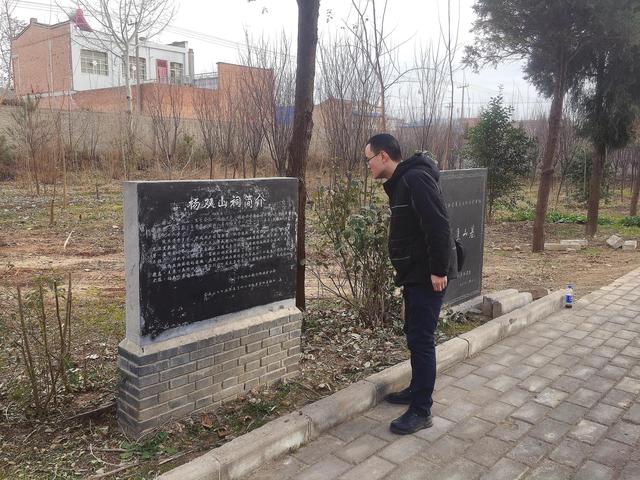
x: 419, y: 161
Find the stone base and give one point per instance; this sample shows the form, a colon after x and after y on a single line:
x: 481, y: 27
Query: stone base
x: 177, y: 377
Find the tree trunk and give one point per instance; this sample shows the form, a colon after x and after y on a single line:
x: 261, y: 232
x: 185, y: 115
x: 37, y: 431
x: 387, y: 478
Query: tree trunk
x: 308, y: 11
x: 546, y: 175
x: 599, y: 158
x: 635, y: 192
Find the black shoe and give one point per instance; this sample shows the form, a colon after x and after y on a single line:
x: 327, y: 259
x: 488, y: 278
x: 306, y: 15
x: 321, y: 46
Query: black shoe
x: 403, y: 397
x: 410, y: 422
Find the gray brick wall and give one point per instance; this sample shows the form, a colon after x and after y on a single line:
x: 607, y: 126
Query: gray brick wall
x: 156, y: 388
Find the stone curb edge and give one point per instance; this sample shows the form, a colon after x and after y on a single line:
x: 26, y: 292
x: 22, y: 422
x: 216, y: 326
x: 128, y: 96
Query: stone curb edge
x: 244, y: 454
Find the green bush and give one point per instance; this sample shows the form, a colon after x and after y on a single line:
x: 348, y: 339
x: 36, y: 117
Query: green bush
x: 353, y: 239
x: 630, y: 222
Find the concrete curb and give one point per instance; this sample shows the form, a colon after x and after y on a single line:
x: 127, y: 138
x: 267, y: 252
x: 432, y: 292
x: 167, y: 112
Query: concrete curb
x: 244, y: 454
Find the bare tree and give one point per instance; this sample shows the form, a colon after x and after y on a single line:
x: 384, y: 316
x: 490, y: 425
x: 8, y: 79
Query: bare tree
x: 424, y: 100
x: 371, y: 37
x: 250, y: 134
x: 30, y: 130
x: 348, y: 111
x: 271, y: 84
x: 308, y: 11
x: 451, y: 45
x: 205, y: 105
x: 165, y: 106
x: 568, y: 148
x: 9, y: 28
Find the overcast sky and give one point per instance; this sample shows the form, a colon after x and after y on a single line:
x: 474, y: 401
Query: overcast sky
x: 215, y: 30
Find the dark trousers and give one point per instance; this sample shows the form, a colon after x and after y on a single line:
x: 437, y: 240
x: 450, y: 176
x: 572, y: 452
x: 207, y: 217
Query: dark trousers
x: 421, y: 312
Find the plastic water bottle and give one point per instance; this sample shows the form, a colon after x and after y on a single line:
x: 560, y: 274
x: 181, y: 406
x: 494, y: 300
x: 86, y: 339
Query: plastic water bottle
x: 568, y: 296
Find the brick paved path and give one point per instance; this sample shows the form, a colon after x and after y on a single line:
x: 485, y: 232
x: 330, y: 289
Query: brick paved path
x: 559, y: 400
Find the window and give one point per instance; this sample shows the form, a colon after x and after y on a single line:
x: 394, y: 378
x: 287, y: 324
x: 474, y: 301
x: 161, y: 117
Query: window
x: 92, y: 61
x: 175, y: 72
x: 142, y: 65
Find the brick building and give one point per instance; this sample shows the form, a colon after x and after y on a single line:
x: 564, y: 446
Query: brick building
x: 74, y: 68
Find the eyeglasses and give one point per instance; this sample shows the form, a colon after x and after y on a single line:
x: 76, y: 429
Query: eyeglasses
x: 366, y: 159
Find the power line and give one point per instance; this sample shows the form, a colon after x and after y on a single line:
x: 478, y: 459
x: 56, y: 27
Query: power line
x: 185, y: 32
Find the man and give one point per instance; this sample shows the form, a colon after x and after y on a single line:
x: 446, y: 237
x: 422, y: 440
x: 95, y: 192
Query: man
x: 422, y: 252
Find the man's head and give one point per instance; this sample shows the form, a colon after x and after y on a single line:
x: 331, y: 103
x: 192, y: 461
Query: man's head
x: 382, y: 154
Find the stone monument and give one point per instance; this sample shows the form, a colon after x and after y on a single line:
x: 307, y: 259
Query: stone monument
x: 210, y: 295
x: 464, y: 192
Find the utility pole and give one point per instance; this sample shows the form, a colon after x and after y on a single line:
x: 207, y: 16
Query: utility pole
x: 463, y: 86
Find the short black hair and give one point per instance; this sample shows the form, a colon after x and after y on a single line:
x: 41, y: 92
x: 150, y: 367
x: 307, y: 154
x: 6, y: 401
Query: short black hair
x: 388, y: 143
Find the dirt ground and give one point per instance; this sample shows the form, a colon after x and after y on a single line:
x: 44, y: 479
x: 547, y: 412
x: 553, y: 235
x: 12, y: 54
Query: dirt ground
x: 85, y: 239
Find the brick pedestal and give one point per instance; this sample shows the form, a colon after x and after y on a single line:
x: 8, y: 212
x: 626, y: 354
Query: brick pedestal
x: 174, y: 378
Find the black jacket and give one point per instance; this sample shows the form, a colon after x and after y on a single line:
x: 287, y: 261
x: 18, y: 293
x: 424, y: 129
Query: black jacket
x: 420, y: 240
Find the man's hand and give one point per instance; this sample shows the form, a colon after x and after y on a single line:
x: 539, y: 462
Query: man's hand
x: 439, y: 283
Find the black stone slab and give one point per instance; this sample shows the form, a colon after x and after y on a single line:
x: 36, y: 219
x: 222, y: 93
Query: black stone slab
x: 209, y: 248
x: 465, y: 193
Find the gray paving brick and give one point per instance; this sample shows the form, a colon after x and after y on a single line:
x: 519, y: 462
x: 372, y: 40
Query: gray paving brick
x: 328, y: 468
x: 624, y: 432
x: 471, y: 429
x: 534, y: 383
x: 353, y: 428
x: 588, y: 432
x: 568, y: 413
x: 439, y: 428
x: 529, y: 451
x: 506, y: 469
x: 373, y: 468
x: 460, y: 410
x: 449, y: 394
x: 619, y: 398
x: 413, y: 469
x: 460, y: 469
x: 495, y: 412
x: 470, y: 382
x: 323, y: 446
x: 482, y: 396
x: 510, y: 430
x: 611, y: 453
x: 631, y: 471
x: 550, y: 397
x: 502, y: 383
x: 550, y: 371
x: 550, y: 430
x: 531, y: 412
x: 360, y: 449
x: 549, y: 470
x: 595, y: 361
x: 629, y: 384
x: 445, y: 449
x: 600, y: 384
x: 508, y: 359
x: 536, y: 360
x: 570, y: 452
x: 582, y: 372
x: 491, y: 370
x: 403, y: 448
x: 565, y: 360
x: 461, y: 370
x: 516, y: 397
x: 585, y: 397
x: 487, y: 451
x: 594, y: 471
x: 604, y: 414
x: 623, y: 361
x: 520, y: 371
